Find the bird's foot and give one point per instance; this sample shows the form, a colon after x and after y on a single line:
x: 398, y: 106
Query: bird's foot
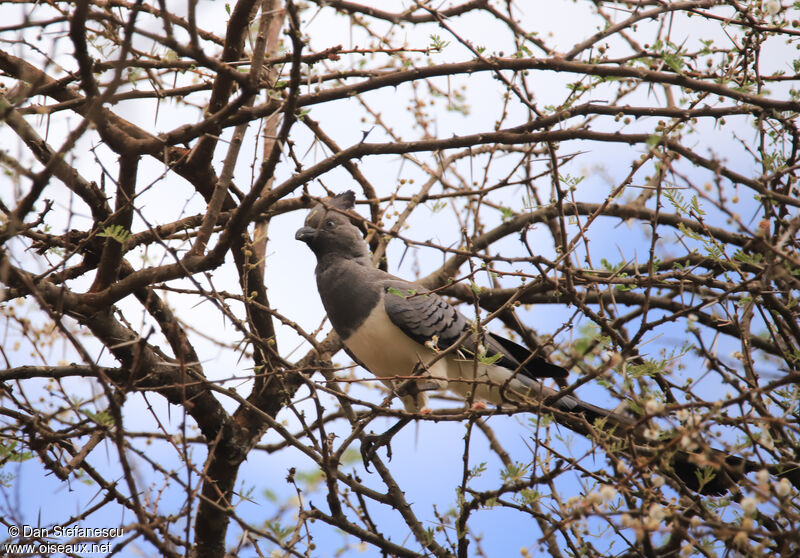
x: 370, y: 445
x: 371, y: 442
x: 413, y: 388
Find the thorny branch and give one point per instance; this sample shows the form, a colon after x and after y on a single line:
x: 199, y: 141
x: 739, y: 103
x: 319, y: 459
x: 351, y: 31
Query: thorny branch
x: 626, y: 204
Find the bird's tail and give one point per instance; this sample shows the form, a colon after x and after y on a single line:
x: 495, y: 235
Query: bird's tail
x: 692, y: 468
x: 533, y: 391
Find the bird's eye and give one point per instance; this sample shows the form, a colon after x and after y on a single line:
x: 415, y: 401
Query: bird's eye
x: 330, y: 223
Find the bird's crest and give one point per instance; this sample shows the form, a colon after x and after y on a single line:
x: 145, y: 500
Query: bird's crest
x: 344, y: 201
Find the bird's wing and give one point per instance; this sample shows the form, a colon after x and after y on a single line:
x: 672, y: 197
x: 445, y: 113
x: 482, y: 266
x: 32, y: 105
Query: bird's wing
x: 428, y: 319
x: 423, y: 316
x: 519, y: 357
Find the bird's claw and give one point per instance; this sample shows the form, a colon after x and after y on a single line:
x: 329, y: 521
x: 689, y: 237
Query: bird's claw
x: 370, y: 445
x: 371, y: 442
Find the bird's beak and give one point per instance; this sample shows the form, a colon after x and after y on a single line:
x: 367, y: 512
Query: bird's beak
x: 304, y: 234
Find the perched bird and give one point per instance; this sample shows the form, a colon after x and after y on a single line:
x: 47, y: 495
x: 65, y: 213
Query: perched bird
x: 400, y: 331
x: 396, y: 328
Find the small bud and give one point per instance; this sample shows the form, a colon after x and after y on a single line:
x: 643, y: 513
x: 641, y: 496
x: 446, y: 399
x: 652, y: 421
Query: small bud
x: 572, y: 502
x: 749, y: 505
x: 771, y: 7
x: 783, y: 487
x: 657, y: 480
x: 740, y: 539
x: 608, y: 493
x: 688, y: 444
x: 651, y: 434
x: 766, y: 441
x: 594, y: 498
x: 653, y: 406
x: 656, y: 512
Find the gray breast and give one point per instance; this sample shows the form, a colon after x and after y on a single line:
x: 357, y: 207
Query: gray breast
x: 347, y: 297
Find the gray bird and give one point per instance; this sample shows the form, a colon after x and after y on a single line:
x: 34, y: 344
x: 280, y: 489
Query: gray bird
x: 398, y: 330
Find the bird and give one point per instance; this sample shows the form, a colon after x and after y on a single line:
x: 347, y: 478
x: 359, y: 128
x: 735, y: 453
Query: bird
x: 397, y: 328
x: 415, y: 342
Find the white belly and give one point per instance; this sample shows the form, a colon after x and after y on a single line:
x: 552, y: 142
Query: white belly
x: 391, y: 355
x: 386, y: 359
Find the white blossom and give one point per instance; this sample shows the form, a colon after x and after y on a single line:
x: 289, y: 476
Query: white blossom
x: 653, y: 406
x: 608, y: 493
x: 771, y: 7
x: 740, y: 539
x: 749, y: 505
x: 766, y: 441
x: 783, y: 487
x: 657, y: 480
x: 656, y: 512
x: 651, y: 433
x: 688, y: 443
x: 594, y: 498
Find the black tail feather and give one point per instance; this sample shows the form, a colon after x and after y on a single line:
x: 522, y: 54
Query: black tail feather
x: 533, y: 367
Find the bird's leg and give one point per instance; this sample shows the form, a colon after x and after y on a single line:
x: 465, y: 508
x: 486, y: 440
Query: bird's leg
x: 372, y: 442
x: 412, y: 391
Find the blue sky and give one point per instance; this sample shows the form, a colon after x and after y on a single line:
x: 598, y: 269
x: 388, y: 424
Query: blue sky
x: 427, y: 457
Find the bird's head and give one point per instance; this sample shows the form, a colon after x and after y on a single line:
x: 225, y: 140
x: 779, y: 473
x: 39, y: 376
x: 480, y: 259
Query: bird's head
x: 329, y: 229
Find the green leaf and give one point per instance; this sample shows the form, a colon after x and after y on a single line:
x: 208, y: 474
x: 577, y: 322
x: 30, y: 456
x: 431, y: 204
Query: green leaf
x: 696, y: 206
x: 310, y: 478
x: 744, y: 257
x: 704, y: 476
x: 437, y: 206
x: 514, y: 472
x: 279, y: 531
x: 543, y: 420
x: 489, y: 359
x: 477, y: 470
x: 530, y: 496
x: 9, y: 452
x: 116, y: 232
x: 675, y: 62
x: 350, y: 457
x: 507, y: 212
x: 103, y: 418
x: 429, y: 535
x: 437, y: 44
